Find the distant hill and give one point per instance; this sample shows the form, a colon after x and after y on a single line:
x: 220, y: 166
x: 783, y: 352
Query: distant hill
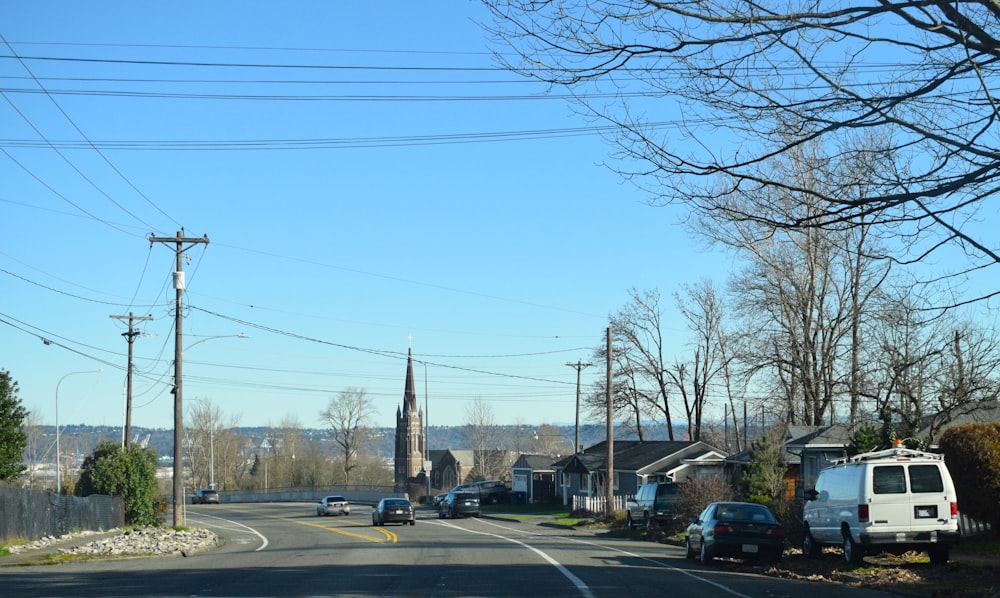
x: 81, y: 439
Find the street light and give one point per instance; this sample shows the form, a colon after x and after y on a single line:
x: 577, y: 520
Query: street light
x: 211, y: 442
x: 178, y: 473
x: 58, y: 448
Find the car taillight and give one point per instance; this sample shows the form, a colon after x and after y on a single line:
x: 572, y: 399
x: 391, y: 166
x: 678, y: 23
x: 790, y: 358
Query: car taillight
x: 776, y: 532
x: 954, y: 510
x: 722, y: 528
x: 863, y: 514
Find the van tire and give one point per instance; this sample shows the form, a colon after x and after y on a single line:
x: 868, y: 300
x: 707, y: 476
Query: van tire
x: 938, y: 554
x: 854, y: 553
x: 810, y: 548
x: 628, y: 521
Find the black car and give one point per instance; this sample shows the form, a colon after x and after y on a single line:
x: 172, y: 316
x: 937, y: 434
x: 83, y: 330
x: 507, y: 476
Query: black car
x: 459, y: 504
x: 394, y: 510
x: 741, y: 530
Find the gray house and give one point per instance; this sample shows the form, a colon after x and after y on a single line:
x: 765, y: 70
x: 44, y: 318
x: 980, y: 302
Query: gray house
x: 635, y: 463
x: 533, y: 477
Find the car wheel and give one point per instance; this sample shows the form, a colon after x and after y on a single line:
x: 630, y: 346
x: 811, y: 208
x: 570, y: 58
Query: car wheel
x: 938, y: 554
x: 689, y: 551
x: 706, y: 554
x: 628, y: 521
x: 810, y: 549
x: 413, y: 522
x: 853, y: 552
x: 440, y: 514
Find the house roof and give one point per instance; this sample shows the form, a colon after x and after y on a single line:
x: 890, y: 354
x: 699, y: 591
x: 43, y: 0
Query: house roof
x: 800, y: 438
x: 534, y: 462
x: 633, y: 455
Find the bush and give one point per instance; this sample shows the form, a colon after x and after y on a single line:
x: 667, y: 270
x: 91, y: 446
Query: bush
x: 972, y: 453
x: 694, y: 495
x: 130, y: 474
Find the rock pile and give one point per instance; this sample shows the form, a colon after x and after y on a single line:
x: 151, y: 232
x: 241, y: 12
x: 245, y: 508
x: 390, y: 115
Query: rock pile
x: 155, y: 541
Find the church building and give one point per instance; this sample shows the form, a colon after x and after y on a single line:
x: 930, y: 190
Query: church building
x: 410, y: 441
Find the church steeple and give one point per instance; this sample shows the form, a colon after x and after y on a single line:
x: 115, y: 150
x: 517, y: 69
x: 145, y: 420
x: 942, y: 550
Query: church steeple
x: 410, y: 441
x: 409, y: 394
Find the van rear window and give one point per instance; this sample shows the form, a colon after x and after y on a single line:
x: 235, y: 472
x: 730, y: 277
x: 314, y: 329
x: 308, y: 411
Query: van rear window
x: 925, y: 478
x: 888, y: 479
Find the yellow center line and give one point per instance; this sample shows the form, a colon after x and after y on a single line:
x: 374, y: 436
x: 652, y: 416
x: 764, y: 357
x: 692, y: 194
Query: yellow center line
x: 390, y: 537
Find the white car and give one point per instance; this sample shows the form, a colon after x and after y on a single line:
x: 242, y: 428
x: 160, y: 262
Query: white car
x: 333, y: 505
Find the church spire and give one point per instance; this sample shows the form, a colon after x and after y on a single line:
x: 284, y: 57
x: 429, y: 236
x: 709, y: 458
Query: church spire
x: 409, y: 394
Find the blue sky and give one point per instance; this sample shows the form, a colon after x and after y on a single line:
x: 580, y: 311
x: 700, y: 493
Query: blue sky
x: 388, y: 180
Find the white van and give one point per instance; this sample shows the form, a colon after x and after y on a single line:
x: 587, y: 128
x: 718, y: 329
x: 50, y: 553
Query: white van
x: 885, y: 501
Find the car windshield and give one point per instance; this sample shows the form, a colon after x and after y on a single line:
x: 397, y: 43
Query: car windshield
x: 335, y: 499
x: 397, y: 503
x: 464, y: 496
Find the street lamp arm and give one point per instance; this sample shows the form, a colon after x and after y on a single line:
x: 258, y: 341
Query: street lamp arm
x: 58, y: 447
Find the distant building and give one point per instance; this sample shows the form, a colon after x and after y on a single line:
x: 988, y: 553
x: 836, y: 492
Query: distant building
x: 410, y: 442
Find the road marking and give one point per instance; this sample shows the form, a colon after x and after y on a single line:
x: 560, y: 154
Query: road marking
x: 576, y: 581
x: 690, y: 574
x: 263, y: 539
x: 390, y: 537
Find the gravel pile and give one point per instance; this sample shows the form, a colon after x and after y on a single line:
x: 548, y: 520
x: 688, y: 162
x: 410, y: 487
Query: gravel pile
x: 138, y: 541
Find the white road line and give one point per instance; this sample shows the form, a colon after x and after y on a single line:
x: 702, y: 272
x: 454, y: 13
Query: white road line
x: 720, y: 586
x: 263, y: 539
x: 576, y: 581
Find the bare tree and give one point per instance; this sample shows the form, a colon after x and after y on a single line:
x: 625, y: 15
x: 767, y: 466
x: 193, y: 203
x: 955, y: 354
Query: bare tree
x: 702, y: 307
x: 762, y: 79
x: 640, y: 378
x: 484, y: 436
x: 348, y: 417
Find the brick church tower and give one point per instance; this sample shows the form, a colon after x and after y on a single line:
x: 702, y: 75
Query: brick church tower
x: 410, y: 447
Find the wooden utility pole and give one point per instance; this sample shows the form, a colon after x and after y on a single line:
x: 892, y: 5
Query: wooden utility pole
x: 610, y: 492
x: 129, y: 336
x: 576, y: 440
x: 179, y: 243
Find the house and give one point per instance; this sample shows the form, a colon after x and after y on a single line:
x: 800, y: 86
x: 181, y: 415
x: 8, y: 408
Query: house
x: 533, y: 478
x: 807, y: 451
x: 635, y: 463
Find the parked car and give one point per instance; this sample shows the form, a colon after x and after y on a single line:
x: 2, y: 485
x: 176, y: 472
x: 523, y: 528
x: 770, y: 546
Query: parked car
x: 394, y: 510
x: 459, y: 504
x: 489, y: 492
x: 333, y: 505
x: 205, y: 496
x: 653, y: 503
x: 894, y: 500
x: 438, y: 498
x: 735, y: 529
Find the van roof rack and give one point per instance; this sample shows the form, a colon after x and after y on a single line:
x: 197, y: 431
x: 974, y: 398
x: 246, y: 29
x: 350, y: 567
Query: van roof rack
x: 897, y: 451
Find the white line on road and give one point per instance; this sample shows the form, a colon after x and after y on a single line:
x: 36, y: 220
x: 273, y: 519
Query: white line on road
x: 720, y: 586
x: 576, y: 581
x: 252, y: 530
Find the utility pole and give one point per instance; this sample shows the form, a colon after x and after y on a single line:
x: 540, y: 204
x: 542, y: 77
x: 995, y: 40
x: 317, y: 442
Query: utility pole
x: 576, y: 440
x: 610, y: 493
x: 129, y: 336
x: 179, y: 243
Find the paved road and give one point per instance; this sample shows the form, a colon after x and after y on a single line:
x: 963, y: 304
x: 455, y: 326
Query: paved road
x: 285, y: 550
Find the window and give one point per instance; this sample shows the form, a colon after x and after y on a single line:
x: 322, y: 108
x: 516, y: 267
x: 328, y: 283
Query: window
x: 925, y: 478
x: 888, y: 479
